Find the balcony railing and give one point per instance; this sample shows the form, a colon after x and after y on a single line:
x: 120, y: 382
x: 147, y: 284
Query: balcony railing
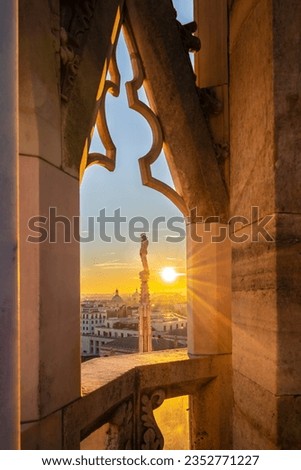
x: 122, y: 392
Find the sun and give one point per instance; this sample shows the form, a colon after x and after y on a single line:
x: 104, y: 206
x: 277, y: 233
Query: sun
x: 169, y: 274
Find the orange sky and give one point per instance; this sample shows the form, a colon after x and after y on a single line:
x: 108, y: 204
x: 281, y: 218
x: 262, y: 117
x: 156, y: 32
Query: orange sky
x: 105, y: 277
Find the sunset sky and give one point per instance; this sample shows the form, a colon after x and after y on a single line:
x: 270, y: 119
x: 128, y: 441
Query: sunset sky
x: 106, y: 266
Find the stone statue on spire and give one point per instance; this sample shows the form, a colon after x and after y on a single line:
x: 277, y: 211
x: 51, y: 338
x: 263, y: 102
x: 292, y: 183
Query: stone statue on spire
x: 145, y: 331
x: 143, y: 252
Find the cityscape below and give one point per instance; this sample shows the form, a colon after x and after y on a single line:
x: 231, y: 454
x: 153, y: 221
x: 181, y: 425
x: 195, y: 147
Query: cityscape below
x: 110, y: 324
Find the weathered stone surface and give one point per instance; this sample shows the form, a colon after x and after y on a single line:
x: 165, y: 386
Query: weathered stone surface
x: 254, y: 265
x: 266, y: 307
x: 254, y: 415
x: 49, y: 293
x: 246, y: 436
x: 210, y: 423
x: 255, y: 353
x: 289, y: 303
x: 154, y: 369
x: 79, y: 113
x: 254, y: 311
x: 239, y: 12
x: 289, y: 422
x: 9, y: 312
x: 43, y: 434
x: 110, y: 381
x: 252, y: 114
x: 97, y: 439
x: 208, y: 289
x: 263, y: 420
x: 265, y: 172
x: 212, y: 60
x: 287, y: 89
x: 39, y: 97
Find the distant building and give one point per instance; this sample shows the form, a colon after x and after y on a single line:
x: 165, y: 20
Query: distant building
x: 111, y: 326
x: 116, y: 299
x: 135, y: 297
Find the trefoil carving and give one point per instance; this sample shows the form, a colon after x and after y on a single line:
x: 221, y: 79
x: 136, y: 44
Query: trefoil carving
x: 111, y: 86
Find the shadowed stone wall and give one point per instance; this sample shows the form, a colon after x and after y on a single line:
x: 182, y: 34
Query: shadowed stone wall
x: 9, y: 311
x: 265, y: 133
x: 49, y: 271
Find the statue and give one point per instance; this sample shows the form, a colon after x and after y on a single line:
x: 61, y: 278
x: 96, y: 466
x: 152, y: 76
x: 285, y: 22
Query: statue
x: 143, y: 252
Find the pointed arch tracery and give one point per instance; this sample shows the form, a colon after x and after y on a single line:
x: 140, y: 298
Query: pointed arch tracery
x: 112, y: 86
x: 174, y: 110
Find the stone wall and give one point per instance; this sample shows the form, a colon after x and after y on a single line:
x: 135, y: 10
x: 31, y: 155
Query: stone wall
x: 9, y: 312
x: 49, y: 270
x: 265, y: 170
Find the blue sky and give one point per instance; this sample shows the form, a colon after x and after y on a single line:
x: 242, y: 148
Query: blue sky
x: 105, y: 266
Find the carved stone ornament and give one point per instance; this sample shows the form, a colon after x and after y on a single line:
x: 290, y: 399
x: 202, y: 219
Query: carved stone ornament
x: 135, y: 103
x: 75, y: 23
x: 111, y: 86
x: 151, y: 436
x: 209, y: 102
x: 190, y: 42
x: 121, y: 431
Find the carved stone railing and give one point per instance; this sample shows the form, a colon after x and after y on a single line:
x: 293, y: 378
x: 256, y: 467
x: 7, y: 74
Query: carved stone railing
x: 122, y: 392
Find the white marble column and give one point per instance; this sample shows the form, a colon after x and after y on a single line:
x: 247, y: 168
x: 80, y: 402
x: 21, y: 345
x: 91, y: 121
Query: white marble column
x: 9, y: 322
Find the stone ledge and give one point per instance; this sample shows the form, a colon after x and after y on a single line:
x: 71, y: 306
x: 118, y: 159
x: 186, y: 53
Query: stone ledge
x: 97, y: 373
x: 108, y: 382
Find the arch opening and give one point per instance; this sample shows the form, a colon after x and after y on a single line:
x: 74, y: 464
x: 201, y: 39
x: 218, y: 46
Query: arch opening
x: 120, y: 208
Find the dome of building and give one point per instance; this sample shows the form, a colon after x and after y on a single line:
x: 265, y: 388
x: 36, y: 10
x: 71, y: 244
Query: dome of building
x: 116, y: 298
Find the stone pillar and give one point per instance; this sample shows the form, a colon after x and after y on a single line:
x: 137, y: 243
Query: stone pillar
x: 9, y: 321
x: 211, y: 67
x: 209, y: 260
x: 265, y: 39
x: 209, y: 289
x: 49, y: 256
x: 211, y: 408
x: 212, y: 62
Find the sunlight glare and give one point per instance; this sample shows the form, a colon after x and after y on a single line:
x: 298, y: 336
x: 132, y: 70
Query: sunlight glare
x: 169, y: 274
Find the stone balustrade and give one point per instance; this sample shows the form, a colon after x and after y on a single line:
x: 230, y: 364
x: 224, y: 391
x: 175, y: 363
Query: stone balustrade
x: 122, y: 392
